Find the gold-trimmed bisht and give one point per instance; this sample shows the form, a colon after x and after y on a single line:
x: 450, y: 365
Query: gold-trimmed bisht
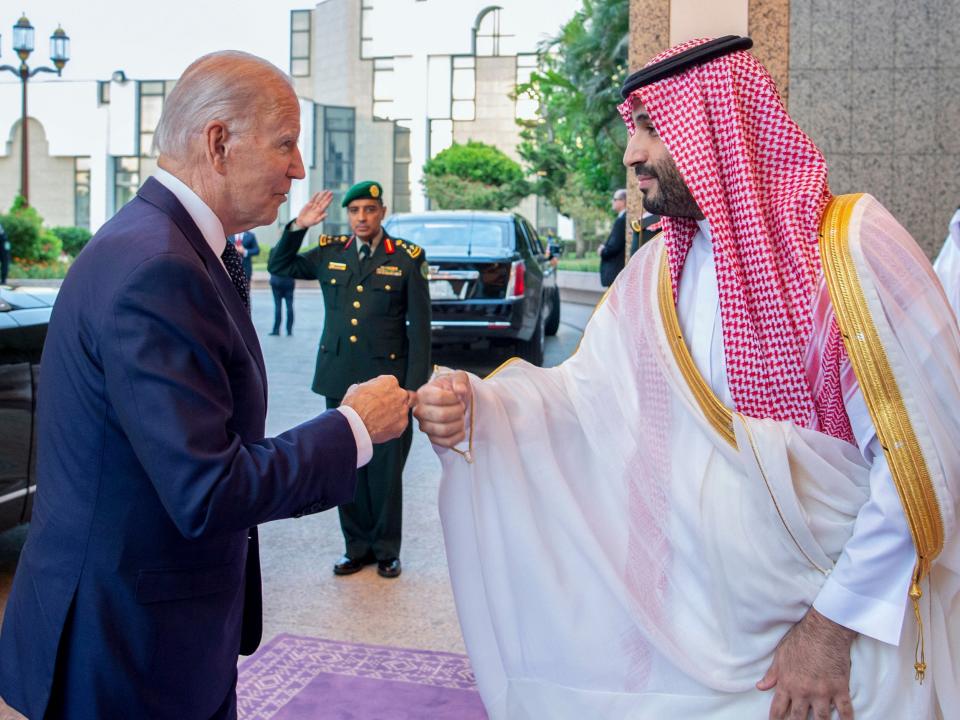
x: 908, y: 467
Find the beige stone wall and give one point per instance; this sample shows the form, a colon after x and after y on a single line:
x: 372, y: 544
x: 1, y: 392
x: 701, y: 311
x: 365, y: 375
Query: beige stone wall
x: 51, y: 178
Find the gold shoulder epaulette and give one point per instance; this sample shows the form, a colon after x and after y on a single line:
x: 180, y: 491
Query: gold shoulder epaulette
x: 333, y: 239
x: 412, y: 250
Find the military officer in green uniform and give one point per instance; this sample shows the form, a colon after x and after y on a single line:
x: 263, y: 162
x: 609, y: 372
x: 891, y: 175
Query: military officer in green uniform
x: 377, y: 321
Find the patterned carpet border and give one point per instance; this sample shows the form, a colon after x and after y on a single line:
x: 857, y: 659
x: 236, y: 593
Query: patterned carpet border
x: 283, y: 667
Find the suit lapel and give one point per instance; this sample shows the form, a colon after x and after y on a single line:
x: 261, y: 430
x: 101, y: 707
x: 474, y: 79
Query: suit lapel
x: 348, y: 255
x: 157, y: 195
x: 379, y: 257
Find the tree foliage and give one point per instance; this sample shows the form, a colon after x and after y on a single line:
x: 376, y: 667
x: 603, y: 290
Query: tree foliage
x: 475, y: 176
x: 72, y: 238
x: 30, y: 242
x: 575, y: 148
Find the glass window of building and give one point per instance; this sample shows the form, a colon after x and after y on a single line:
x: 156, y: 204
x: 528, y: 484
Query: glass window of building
x: 401, y: 166
x: 300, y: 24
x: 81, y: 192
x: 526, y: 105
x: 366, y: 34
x: 488, y: 36
x: 126, y: 180
x: 151, y: 94
x: 463, y: 87
x: 383, y: 88
x: 339, y: 130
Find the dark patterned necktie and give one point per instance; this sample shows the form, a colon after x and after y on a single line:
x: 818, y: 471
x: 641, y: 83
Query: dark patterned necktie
x: 364, y: 254
x: 234, y: 265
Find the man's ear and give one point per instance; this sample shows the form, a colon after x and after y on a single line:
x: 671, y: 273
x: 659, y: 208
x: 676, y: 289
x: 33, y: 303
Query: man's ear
x: 216, y: 137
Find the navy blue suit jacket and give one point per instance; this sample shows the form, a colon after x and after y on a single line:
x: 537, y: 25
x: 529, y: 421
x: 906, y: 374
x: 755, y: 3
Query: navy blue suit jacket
x: 252, y: 247
x: 129, y: 599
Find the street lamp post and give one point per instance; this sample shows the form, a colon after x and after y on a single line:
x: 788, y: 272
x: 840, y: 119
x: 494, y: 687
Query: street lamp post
x: 23, y: 46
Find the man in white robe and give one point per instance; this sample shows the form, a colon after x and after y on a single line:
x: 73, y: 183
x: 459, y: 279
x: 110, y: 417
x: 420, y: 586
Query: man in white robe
x: 947, y: 264
x: 729, y: 500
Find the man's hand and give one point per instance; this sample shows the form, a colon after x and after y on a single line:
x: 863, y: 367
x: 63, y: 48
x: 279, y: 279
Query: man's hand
x: 382, y: 405
x: 811, y: 671
x: 442, y: 406
x: 315, y: 210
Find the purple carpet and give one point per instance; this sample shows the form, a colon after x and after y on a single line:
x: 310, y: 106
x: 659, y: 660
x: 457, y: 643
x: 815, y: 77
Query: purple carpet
x: 295, y: 678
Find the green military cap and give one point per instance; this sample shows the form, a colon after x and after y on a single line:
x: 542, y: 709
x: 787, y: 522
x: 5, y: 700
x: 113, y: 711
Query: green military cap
x: 363, y: 190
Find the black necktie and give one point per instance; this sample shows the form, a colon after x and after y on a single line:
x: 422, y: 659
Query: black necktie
x: 234, y: 265
x: 364, y: 253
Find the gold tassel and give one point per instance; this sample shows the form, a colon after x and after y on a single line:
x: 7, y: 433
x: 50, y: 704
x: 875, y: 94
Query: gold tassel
x: 919, y: 665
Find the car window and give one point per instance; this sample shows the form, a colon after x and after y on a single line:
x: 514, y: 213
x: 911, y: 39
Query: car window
x: 534, y: 239
x: 454, y: 236
x: 523, y: 230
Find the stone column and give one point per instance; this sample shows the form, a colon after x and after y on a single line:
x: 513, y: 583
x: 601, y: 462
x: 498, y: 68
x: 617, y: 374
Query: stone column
x: 649, y: 34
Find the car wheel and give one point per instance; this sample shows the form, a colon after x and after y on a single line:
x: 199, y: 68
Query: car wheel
x: 532, y: 350
x: 553, y: 317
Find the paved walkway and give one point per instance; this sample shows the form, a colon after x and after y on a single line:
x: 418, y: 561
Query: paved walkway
x: 301, y: 594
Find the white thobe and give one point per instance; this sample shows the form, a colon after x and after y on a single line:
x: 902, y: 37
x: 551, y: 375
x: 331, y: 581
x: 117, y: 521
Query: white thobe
x: 867, y: 590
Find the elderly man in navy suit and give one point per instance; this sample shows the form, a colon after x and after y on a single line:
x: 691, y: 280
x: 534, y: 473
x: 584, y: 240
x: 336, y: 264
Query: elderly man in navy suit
x: 139, y: 583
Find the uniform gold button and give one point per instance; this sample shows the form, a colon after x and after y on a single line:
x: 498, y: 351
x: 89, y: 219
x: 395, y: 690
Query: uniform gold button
x: 359, y: 288
x: 386, y: 287
x: 353, y: 321
x: 393, y: 356
x: 356, y: 303
x: 353, y: 338
x: 333, y: 282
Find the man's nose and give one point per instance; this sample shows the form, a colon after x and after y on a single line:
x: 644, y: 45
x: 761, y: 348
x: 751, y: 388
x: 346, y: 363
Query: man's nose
x: 636, y: 151
x: 296, y: 169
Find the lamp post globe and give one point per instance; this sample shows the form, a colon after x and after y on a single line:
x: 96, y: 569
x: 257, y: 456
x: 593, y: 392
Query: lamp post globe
x: 23, y: 38
x: 23, y: 45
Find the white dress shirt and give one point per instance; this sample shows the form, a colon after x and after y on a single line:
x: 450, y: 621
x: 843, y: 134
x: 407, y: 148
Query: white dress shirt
x: 867, y: 589
x: 212, y: 230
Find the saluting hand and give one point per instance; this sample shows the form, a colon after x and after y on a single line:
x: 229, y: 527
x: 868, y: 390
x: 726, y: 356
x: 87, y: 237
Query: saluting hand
x: 382, y: 405
x: 442, y: 406
x: 315, y: 210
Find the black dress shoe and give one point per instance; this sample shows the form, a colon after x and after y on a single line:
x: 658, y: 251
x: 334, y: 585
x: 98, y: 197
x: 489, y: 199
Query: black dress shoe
x: 346, y: 565
x: 274, y: 333
x: 389, y: 568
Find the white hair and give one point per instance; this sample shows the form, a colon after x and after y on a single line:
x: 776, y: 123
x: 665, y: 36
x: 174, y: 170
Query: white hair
x: 620, y: 194
x: 227, y: 85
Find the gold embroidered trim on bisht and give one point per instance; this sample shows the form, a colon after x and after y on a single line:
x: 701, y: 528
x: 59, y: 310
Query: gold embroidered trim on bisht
x: 908, y: 467
x: 718, y: 414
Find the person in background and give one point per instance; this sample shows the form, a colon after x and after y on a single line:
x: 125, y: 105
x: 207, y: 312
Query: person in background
x: 376, y: 320
x: 947, y: 265
x: 282, y: 288
x: 612, y: 251
x: 4, y: 256
x: 248, y: 247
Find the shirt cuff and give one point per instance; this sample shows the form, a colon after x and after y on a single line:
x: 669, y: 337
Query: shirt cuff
x: 360, y: 435
x: 873, y: 617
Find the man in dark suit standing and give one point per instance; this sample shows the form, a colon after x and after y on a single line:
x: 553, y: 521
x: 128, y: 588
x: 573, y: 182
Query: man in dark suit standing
x: 612, y: 251
x: 247, y: 245
x: 376, y: 321
x: 139, y: 583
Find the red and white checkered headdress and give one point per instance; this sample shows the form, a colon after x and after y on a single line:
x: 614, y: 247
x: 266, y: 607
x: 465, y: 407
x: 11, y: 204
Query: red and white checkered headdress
x: 762, y: 185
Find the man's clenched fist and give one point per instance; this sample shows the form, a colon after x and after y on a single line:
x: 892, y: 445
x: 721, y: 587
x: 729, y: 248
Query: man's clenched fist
x: 441, y: 408
x: 382, y: 405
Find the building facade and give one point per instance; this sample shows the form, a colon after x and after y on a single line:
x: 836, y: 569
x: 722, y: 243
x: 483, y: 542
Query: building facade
x: 875, y: 83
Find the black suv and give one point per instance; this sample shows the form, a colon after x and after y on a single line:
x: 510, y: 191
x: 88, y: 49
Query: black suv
x: 24, y: 315
x: 489, y: 278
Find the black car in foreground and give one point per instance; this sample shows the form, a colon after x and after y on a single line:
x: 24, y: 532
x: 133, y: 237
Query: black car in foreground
x: 489, y: 278
x: 24, y: 315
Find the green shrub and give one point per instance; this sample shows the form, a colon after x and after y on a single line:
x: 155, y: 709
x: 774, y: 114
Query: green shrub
x: 72, y: 238
x: 474, y: 176
x: 39, y: 270
x: 30, y: 242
